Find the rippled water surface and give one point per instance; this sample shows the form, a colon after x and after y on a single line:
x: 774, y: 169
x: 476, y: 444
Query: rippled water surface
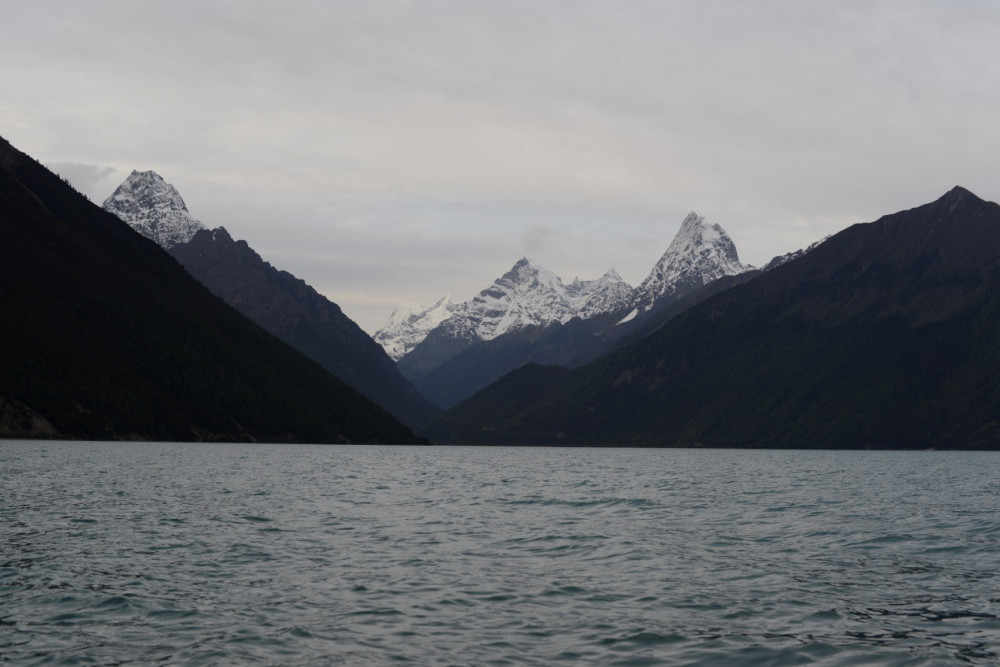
x: 205, y: 554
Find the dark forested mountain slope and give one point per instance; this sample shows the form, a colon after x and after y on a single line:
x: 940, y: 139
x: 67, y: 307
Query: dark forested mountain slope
x: 487, y: 413
x: 885, y: 335
x: 297, y: 314
x: 104, y: 335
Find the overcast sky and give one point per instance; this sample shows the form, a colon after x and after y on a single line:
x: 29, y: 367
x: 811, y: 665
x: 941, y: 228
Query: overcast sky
x: 398, y: 151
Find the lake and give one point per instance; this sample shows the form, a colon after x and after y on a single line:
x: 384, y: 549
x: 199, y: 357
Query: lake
x: 289, y: 554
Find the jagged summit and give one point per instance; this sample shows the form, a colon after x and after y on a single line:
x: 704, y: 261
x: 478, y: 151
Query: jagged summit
x: 594, y: 297
x: 221, y: 234
x: 531, y: 295
x: 526, y: 295
x: 153, y: 208
x: 698, y: 254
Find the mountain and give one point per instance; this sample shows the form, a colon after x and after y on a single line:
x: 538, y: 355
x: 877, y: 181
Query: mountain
x: 524, y: 299
x: 699, y: 254
x: 884, y: 335
x: 787, y: 257
x: 480, y: 417
x: 526, y: 296
x: 554, y: 324
x: 530, y: 295
x: 154, y: 208
x: 105, y: 336
x: 409, y: 324
x: 297, y: 314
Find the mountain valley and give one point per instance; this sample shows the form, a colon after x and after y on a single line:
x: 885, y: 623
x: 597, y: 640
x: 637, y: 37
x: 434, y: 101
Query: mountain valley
x: 105, y: 336
x: 279, y: 302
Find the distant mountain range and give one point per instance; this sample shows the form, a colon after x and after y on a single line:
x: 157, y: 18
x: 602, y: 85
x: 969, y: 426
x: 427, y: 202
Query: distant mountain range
x: 885, y: 335
x: 105, y: 336
x: 276, y: 300
x: 529, y: 315
x: 527, y: 295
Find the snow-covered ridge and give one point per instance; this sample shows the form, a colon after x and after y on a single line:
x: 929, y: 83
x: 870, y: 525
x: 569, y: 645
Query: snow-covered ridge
x: 153, y: 208
x: 595, y: 297
x: 532, y: 295
x: 409, y: 324
x: 527, y: 295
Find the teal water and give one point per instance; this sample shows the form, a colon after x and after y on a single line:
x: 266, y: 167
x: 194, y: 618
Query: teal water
x: 120, y: 553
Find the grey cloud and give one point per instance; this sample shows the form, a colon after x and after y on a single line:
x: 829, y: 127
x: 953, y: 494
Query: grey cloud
x: 536, y: 238
x: 90, y: 179
x: 428, y: 139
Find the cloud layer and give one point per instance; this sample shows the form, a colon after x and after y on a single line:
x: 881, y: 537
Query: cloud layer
x: 394, y: 151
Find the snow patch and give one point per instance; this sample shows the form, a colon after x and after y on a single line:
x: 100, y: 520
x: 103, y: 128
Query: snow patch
x: 628, y: 318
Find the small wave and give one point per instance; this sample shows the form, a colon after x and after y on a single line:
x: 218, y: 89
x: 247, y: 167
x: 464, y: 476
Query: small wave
x: 600, y: 502
x: 377, y: 612
x: 644, y: 638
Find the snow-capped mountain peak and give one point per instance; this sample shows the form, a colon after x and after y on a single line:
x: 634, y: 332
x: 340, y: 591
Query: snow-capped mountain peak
x: 526, y: 275
x: 593, y: 297
x: 698, y: 254
x: 154, y: 208
x: 531, y: 295
x: 409, y: 324
x: 526, y: 295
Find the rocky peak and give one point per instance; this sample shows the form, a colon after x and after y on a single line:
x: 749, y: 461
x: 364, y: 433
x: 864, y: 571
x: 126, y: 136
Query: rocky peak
x: 698, y: 254
x: 526, y: 295
x: 531, y: 295
x: 153, y: 208
x: 593, y: 297
x: 526, y: 275
x: 956, y: 197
